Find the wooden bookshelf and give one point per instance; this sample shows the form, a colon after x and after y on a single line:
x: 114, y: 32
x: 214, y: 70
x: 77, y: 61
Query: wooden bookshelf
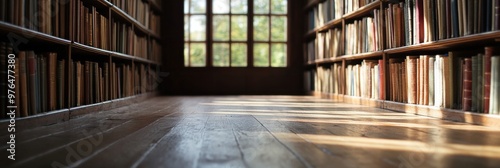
x: 69, y: 50
x: 475, y: 41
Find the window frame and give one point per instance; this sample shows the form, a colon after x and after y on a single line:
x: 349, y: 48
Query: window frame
x: 250, y: 42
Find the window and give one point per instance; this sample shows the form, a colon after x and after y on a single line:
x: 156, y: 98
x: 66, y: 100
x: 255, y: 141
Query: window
x: 220, y: 35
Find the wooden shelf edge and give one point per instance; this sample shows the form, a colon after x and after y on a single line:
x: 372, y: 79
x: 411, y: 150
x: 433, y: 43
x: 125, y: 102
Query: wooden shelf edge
x: 41, y: 119
x: 362, y: 55
x: 104, y: 3
x: 132, y: 20
x: 362, y: 10
x: 91, y: 49
x: 446, y: 114
x: 446, y: 43
x: 57, y: 116
x: 423, y: 110
x: 28, y: 33
x: 155, y: 6
x: 143, y: 60
x: 122, y: 56
x: 311, y: 4
x: 329, y: 25
x: 155, y: 36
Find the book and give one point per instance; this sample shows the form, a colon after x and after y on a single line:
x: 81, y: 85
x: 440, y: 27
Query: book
x: 487, y: 78
x: 467, y: 84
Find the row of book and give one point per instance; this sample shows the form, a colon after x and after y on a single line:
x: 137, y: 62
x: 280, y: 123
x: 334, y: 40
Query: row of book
x: 324, y: 12
x: 92, y: 27
x: 464, y: 80
x: 362, y: 36
x: 39, y: 82
x: 328, y: 79
x: 456, y: 80
x: 155, y: 51
x: 46, y: 16
x: 154, y: 24
x: 139, y: 10
x: 125, y: 40
x: 327, y: 44
x: 353, y: 5
x: 418, y: 21
x: 363, y: 80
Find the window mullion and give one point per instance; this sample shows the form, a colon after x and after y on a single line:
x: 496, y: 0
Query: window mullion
x: 209, y: 35
x: 250, y: 30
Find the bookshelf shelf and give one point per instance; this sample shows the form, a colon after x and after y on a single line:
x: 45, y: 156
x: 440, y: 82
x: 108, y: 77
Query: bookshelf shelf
x: 437, y: 112
x: 329, y: 25
x: 387, y: 70
x: 90, y: 49
x: 363, y: 10
x: 310, y: 34
x: 311, y: 4
x: 155, y: 6
x: 143, y: 60
x: 31, y: 34
x: 362, y: 55
x: 122, y: 56
x: 78, y: 70
x: 130, y: 19
x: 448, y: 43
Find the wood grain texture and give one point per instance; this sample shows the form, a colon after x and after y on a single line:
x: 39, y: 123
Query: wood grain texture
x: 254, y: 131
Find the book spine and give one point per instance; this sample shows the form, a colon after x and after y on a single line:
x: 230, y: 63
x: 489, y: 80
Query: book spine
x: 467, y: 84
x: 487, y: 78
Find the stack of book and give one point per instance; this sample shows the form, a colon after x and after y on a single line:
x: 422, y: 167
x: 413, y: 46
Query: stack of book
x: 362, y: 36
x: 353, y: 5
x: 90, y: 82
x: 328, y: 44
x: 92, y: 26
x: 363, y: 80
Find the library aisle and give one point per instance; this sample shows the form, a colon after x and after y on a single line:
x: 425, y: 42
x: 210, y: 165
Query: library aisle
x: 255, y: 131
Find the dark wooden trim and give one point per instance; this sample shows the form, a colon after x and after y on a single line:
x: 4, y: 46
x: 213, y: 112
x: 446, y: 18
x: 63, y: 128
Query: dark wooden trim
x: 31, y: 34
x: 362, y: 10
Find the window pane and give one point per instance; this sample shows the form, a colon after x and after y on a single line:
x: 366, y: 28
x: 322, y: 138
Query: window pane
x: 220, y: 6
x: 198, y: 6
x: 278, y: 28
x: 261, y: 28
x: 186, y: 54
x: 278, y: 55
x: 221, y: 27
x: 186, y: 28
x: 261, y: 6
x: 278, y: 6
x: 261, y: 55
x: 239, y: 6
x: 238, y: 55
x: 221, y: 55
x: 186, y: 6
x: 198, y: 31
x: 239, y: 28
x: 198, y: 55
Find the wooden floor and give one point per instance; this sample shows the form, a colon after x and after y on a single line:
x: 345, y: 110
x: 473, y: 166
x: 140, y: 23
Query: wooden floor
x: 254, y: 131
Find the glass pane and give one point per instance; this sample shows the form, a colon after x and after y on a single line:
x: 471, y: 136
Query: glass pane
x: 198, y: 6
x: 186, y: 54
x: 198, y: 54
x: 220, y: 6
x: 186, y: 6
x: 221, y: 55
x: 278, y: 28
x: 198, y: 28
x: 261, y: 28
x: 239, y: 28
x: 261, y: 6
x: 238, y: 55
x: 186, y: 28
x: 278, y: 55
x: 261, y: 55
x: 239, y: 6
x: 221, y: 27
x: 278, y: 6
